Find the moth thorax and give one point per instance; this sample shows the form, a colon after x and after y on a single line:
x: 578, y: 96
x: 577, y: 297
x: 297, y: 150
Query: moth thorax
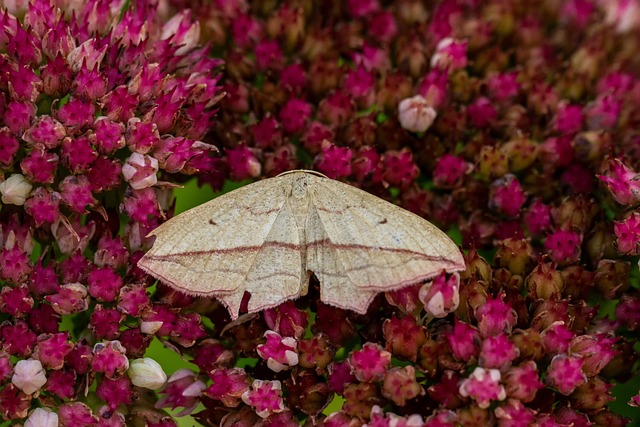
x: 300, y: 188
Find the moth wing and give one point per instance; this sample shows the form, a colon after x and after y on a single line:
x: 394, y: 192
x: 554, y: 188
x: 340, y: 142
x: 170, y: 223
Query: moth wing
x: 210, y: 250
x: 380, y: 246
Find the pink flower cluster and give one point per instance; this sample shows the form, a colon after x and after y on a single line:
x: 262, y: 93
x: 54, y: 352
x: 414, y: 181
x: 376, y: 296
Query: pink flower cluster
x: 513, y: 125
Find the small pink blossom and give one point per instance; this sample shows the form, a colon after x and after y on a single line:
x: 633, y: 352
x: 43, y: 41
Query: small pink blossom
x: 497, y: 352
x: 183, y: 389
x: 400, y: 385
x: 483, y: 386
x: 628, y: 234
x: 334, y: 161
x: 495, y: 316
x: 370, y: 363
x: 450, y: 171
x: 228, y: 386
x: 596, y: 352
x: 441, y: 296
x: 482, y: 113
x: 399, y: 168
x: 71, y: 298
x: 503, y: 86
x: 109, y: 358
x: 622, y: 182
x: 565, y: 373
x: 514, y: 413
x: 52, y: 349
x: 568, y: 120
x: 507, y: 195
x: 76, y: 414
x: 265, y: 397
x: 280, y: 353
x: 294, y: 115
x: 557, y: 337
x: 563, y: 246
x: 450, y: 54
x: 523, y: 382
x: 537, y: 217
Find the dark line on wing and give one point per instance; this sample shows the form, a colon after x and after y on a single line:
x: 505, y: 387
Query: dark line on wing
x: 327, y: 242
x: 237, y: 249
x: 293, y: 247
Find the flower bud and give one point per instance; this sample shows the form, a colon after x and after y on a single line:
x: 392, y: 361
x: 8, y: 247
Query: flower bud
x: 441, y: 296
x: 415, y: 114
x: 140, y: 171
x: 28, y: 376
x: 41, y: 417
x: 15, y: 190
x: 147, y: 373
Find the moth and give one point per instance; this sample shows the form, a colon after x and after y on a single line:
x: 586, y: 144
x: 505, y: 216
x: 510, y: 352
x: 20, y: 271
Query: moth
x: 267, y: 238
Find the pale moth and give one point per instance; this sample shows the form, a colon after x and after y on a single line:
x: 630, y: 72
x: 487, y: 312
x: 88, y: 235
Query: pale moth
x: 267, y: 238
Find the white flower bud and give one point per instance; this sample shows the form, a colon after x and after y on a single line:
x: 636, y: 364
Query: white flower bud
x: 415, y: 114
x: 15, y: 190
x: 140, y: 170
x: 41, y: 417
x: 28, y: 376
x: 147, y: 373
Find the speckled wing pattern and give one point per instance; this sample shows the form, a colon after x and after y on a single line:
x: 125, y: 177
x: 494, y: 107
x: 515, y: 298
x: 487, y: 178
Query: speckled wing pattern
x: 360, y: 245
x: 264, y: 238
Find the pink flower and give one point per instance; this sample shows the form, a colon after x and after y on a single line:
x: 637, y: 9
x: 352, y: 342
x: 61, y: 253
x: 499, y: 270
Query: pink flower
x: 183, y: 389
x: 294, y: 115
x: 450, y: 54
x: 340, y: 376
x: 503, y: 86
x: 596, y: 352
x: 565, y: 373
x: 441, y: 296
x: 557, y: 337
x: 334, y: 161
x: 450, y: 171
x: 464, y: 340
x: 399, y: 168
x: 537, y: 217
x: 52, y: 349
x: 280, y: 353
x: 507, y: 196
x: 523, y: 382
x: 76, y: 414
x: 404, y: 336
x: 514, y: 413
x: 265, y: 397
x: 481, y: 113
x: 483, y: 386
x: 400, y: 385
x: 628, y: 234
x: 497, y: 352
x: 622, y: 182
x: 563, y: 246
x: 568, y: 119
x: 109, y: 358
x: 370, y: 363
x: 115, y: 392
x: 228, y: 385
x: 495, y: 316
